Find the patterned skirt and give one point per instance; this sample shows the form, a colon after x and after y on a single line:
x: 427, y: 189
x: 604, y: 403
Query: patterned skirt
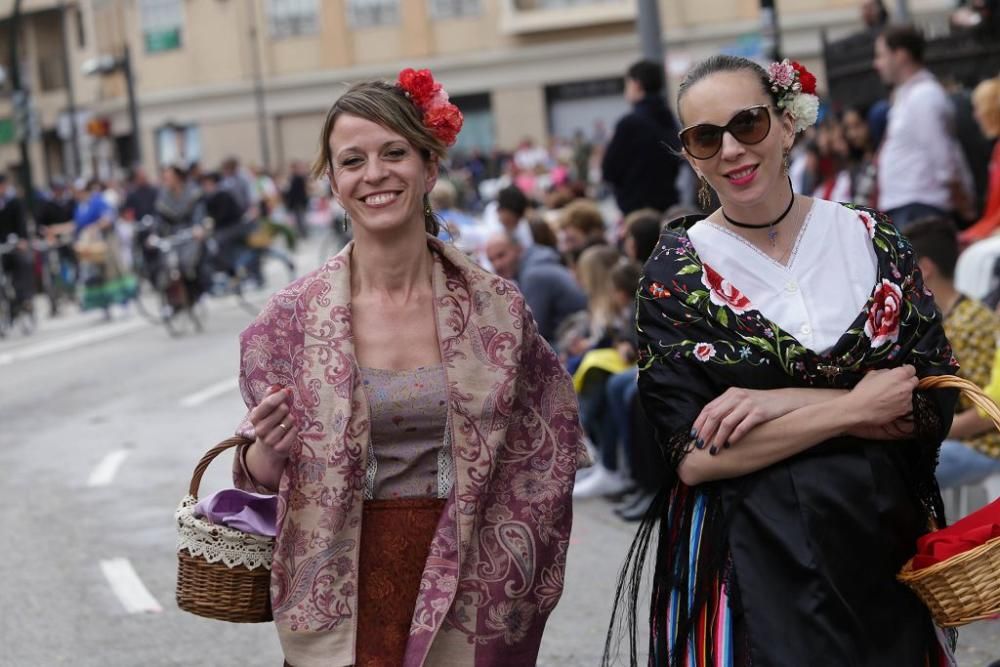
x: 395, y: 539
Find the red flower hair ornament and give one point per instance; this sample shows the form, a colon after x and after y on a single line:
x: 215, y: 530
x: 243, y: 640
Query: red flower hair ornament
x: 441, y: 117
x: 794, y: 88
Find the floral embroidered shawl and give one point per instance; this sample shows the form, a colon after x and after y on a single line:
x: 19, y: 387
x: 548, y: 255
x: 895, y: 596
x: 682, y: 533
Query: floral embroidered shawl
x: 496, y: 563
x: 699, y: 335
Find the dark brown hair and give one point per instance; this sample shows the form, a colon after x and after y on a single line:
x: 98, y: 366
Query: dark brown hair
x: 936, y: 239
x: 387, y: 105
x: 722, y: 63
x: 906, y: 37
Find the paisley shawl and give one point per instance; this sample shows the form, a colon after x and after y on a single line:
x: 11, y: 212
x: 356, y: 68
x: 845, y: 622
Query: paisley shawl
x: 699, y: 335
x: 496, y: 564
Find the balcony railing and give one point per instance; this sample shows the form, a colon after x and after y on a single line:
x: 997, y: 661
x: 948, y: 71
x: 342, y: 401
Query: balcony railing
x: 528, y: 16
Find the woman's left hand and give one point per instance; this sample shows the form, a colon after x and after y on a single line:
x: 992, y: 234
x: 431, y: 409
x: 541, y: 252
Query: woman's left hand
x: 735, y: 413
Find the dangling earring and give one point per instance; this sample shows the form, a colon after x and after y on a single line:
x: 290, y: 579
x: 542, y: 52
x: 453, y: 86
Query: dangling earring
x: 345, y: 222
x: 704, y: 194
x: 784, y: 162
x: 428, y: 211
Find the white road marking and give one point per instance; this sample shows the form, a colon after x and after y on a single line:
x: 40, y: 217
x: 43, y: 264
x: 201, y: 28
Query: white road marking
x: 72, y: 342
x: 105, y: 471
x: 127, y: 586
x: 210, y: 392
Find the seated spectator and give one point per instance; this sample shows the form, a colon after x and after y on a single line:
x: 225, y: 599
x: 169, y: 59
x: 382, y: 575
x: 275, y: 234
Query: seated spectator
x: 511, y: 207
x: 542, y: 232
x: 456, y: 225
x: 834, y: 180
x: 986, y: 107
x: 581, y: 225
x: 604, y: 356
x: 547, y: 285
x: 977, y: 273
x: 861, y: 157
x: 642, y: 231
x: 972, y: 451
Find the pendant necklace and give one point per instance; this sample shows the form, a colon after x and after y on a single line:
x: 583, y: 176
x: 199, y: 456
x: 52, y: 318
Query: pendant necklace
x: 772, y: 233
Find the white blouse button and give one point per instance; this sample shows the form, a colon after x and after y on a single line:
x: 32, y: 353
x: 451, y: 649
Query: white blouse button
x: 791, y: 287
x: 806, y: 330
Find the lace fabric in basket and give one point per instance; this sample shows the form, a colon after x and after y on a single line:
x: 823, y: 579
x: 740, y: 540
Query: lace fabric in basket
x: 216, y: 543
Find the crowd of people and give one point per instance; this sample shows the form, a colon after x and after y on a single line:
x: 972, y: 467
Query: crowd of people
x: 92, y: 240
x: 748, y: 323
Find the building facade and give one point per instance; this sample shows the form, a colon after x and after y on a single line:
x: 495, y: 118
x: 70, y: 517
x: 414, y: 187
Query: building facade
x: 254, y: 78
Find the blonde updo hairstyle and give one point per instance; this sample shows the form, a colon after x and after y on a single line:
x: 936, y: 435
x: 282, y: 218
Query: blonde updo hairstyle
x: 387, y: 105
x: 986, y: 100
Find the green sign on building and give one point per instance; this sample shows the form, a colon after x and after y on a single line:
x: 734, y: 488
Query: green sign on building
x: 162, y: 40
x: 7, y: 131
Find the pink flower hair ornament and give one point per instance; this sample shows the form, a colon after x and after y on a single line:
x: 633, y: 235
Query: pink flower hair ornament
x: 440, y: 116
x: 794, y: 89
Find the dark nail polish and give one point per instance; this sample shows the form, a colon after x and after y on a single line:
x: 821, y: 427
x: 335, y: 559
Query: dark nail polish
x: 699, y: 443
x: 694, y: 433
x: 713, y: 450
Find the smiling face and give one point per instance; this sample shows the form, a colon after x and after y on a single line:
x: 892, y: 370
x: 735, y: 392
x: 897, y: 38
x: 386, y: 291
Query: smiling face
x: 378, y: 176
x: 744, y: 176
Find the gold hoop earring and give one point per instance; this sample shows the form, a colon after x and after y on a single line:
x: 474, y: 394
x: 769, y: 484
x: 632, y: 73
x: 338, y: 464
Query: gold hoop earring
x: 704, y: 194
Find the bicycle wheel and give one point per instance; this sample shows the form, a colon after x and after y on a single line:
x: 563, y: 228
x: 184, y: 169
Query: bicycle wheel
x: 6, y: 309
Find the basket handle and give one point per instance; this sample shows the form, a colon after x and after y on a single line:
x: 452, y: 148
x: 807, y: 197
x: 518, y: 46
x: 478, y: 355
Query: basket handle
x: 199, y: 469
x: 970, y: 390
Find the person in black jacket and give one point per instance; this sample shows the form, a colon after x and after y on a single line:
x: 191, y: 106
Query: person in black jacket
x: 14, y: 226
x: 228, y: 229
x: 641, y: 160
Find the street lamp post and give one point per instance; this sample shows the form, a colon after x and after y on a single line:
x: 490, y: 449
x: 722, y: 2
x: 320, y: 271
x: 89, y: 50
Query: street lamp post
x: 770, y: 31
x: 650, y: 31
x: 104, y: 65
x: 22, y: 111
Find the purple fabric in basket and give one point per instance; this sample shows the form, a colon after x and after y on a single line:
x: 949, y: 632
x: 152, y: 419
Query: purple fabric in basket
x: 250, y: 512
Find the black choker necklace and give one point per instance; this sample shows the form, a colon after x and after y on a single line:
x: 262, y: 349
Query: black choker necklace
x: 772, y: 234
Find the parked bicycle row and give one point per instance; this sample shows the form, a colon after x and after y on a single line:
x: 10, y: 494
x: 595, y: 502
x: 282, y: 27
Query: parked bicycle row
x: 158, y: 250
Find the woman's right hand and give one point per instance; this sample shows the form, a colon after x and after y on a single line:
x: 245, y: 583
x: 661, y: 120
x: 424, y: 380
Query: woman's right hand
x: 884, y: 396
x: 276, y: 432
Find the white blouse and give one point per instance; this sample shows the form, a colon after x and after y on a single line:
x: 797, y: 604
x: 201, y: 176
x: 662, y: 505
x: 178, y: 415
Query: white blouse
x: 820, y: 292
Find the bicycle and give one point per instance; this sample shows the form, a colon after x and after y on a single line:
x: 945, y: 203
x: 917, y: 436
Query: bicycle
x: 166, y: 291
x: 59, y: 272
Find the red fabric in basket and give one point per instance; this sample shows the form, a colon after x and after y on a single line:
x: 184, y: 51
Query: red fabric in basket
x: 974, y: 530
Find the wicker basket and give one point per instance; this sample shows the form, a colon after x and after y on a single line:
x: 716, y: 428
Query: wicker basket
x: 222, y: 573
x: 965, y: 587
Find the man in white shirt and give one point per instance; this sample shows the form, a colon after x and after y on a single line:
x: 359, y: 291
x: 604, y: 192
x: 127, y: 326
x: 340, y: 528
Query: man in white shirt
x: 921, y: 169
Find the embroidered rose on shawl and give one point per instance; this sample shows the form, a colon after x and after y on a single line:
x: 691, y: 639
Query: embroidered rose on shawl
x: 658, y: 291
x: 704, y: 351
x: 868, y: 223
x: 882, y: 326
x: 723, y: 293
x: 512, y: 618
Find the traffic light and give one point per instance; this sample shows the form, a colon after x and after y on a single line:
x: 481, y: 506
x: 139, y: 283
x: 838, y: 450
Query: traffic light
x: 99, y: 126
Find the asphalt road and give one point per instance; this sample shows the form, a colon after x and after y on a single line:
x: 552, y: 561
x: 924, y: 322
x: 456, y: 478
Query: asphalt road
x: 101, y: 425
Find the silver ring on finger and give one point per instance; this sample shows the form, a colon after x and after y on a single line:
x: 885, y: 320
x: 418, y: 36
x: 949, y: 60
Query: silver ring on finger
x: 283, y: 427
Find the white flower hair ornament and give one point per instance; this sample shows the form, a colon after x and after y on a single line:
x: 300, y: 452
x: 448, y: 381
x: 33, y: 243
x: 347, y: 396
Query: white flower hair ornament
x: 794, y: 89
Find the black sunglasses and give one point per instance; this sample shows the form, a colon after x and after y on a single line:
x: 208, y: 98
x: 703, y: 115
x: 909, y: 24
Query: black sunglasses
x: 748, y: 127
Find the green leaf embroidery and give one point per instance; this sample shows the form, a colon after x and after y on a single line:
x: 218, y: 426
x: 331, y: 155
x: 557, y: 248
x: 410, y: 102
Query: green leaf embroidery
x: 723, y: 317
x: 689, y: 269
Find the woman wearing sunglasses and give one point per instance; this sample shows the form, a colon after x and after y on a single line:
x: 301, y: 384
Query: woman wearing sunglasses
x: 781, y: 339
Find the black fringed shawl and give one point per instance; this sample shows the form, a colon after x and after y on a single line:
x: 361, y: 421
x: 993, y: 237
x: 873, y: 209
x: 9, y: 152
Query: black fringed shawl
x: 699, y: 336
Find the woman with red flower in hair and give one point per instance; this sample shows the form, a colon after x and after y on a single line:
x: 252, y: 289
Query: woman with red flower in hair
x: 405, y: 409
x: 781, y: 340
